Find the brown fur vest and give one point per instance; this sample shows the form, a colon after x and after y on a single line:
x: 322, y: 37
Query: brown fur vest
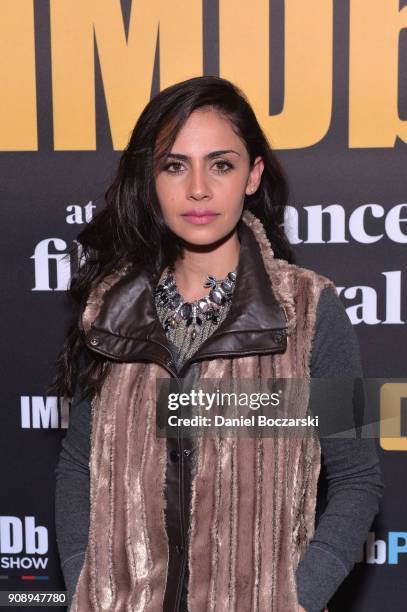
x: 253, y: 500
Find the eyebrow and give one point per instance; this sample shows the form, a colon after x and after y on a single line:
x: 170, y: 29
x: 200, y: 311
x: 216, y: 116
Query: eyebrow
x: 210, y: 155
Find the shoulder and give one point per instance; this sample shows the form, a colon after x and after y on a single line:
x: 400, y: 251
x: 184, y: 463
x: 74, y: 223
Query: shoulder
x: 298, y: 290
x: 298, y: 274
x: 310, y: 296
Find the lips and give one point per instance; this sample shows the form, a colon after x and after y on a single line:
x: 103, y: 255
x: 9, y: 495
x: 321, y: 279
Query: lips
x: 200, y: 216
x: 199, y: 213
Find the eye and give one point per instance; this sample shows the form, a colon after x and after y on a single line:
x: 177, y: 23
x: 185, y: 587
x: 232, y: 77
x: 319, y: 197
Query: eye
x: 175, y: 167
x: 223, y: 166
x: 178, y: 167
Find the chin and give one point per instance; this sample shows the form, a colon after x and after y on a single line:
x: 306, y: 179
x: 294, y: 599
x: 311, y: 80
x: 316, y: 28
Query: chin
x: 204, y: 236
x: 201, y: 238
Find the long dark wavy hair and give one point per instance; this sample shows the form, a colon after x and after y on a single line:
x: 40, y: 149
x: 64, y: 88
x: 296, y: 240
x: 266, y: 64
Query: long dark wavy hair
x: 131, y: 228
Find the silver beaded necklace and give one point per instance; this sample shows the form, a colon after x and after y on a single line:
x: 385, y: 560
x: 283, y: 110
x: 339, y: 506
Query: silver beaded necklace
x: 208, y: 307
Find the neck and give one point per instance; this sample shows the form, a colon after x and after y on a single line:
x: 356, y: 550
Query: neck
x: 197, y: 263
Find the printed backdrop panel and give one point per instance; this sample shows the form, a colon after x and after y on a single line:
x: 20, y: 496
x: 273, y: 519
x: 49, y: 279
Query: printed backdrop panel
x: 328, y: 83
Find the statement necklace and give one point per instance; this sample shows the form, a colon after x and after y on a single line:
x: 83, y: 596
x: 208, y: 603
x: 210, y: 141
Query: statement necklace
x: 208, y: 307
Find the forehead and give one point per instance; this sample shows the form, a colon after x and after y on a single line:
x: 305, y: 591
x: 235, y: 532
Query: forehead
x: 206, y: 130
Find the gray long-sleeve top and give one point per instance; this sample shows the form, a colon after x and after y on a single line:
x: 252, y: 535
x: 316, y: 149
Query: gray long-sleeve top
x: 349, y: 490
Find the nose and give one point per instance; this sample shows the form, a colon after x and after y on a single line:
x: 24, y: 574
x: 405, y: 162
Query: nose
x: 198, y: 187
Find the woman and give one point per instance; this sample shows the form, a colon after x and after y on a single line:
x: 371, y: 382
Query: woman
x: 188, y: 275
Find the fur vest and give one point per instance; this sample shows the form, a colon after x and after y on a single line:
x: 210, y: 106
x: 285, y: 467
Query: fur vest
x: 253, y: 499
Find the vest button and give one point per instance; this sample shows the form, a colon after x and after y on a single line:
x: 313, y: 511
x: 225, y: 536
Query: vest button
x: 187, y: 452
x: 174, y: 456
x: 278, y: 337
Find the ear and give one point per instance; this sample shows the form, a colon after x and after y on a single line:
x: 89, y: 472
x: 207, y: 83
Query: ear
x: 254, y: 178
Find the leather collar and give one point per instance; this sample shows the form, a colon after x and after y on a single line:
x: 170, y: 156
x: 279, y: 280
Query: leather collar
x: 128, y: 329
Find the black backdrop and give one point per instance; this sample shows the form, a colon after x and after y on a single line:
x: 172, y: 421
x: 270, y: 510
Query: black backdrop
x: 49, y: 183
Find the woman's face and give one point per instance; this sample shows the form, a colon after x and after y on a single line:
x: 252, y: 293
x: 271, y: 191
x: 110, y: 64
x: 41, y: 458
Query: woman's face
x: 202, y: 183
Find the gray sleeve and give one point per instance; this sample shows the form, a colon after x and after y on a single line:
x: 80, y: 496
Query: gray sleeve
x: 72, y: 505
x: 350, y: 468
